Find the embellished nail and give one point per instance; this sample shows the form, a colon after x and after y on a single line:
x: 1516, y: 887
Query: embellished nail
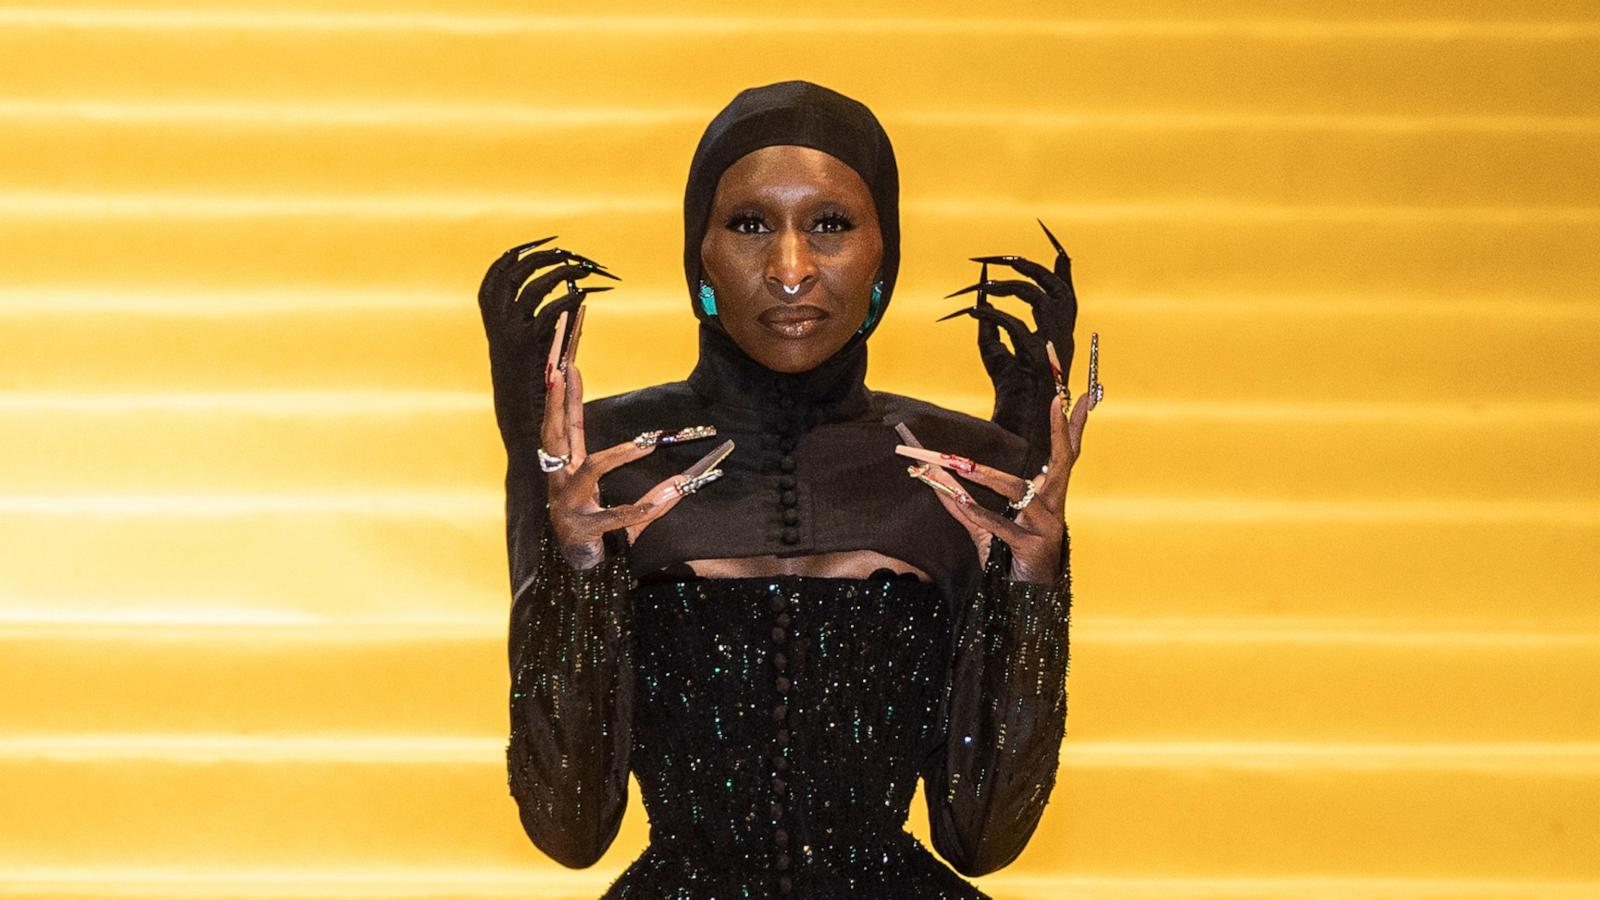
x: 548, y: 381
x: 554, y: 358
x: 1061, y: 380
x: 695, y: 483
x: 693, y: 433
x: 705, y: 463
x: 921, y: 474
x: 1096, y: 391
x: 949, y: 460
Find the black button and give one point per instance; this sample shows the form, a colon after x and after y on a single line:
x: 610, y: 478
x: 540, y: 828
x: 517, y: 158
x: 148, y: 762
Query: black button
x: 780, y: 661
x: 779, y: 786
x: 785, y: 884
x: 783, y: 736
x: 778, y: 634
x: 791, y: 535
x: 791, y: 517
x: 784, y: 620
x: 783, y: 861
x: 781, y: 837
x: 781, y: 763
x: 779, y: 711
x: 777, y: 810
x: 789, y: 498
x: 786, y: 401
x: 787, y: 463
x: 778, y: 602
x: 782, y: 683
x: 786, y: 482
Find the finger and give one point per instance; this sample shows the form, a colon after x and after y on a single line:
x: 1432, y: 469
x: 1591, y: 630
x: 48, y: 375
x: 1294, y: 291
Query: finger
x: 1002, y: 483
x: 1058, y: 314
x: 979, y: 518
x: 1016, y: 329
x: 1026, y: 291
x: 1066, y: 435
x: 574, y: 415
x: 535, y: 287
x: 656, y: 502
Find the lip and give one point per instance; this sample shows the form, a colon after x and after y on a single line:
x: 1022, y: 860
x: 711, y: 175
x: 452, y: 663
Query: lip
x: 796, y: 321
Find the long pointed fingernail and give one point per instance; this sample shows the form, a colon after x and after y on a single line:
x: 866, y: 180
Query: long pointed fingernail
x: 948, y: 460
x: 1053, y: 242
x: 959, y: 312
x: 572, y: 341
x: 995, y: 259
x: 557, y: 342
x: 966, y: 290
x: 920, y: 473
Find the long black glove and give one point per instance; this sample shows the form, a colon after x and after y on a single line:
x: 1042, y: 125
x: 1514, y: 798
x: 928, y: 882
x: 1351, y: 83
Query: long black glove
x: 1022, y: 376
x: 520, y: 333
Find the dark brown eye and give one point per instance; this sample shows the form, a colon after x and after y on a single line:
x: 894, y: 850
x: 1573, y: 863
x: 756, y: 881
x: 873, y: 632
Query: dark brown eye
x: 834, y: 223
x: 746, y: 224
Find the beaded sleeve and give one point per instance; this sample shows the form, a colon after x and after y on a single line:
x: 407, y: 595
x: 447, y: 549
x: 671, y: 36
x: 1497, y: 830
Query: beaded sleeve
x: 1002, y: 719
x: 572, y: 692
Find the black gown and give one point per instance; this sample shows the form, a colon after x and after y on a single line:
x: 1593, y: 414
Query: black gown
x: 778, y: 725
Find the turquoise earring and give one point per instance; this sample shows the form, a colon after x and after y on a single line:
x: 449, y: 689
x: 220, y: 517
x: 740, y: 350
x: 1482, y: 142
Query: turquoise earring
x: 874, y: 309
x: 708, y: 299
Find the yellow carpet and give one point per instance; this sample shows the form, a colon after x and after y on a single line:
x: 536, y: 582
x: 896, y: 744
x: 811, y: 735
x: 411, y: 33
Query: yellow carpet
x: 1337, y: 524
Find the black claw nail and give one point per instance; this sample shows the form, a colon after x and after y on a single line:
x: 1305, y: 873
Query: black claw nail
x: 983, y: 281
x: 959, y: 312
x: 966, y: 290
x: 1053, y: 242
x: 592, y: 290
x: 995, y: 259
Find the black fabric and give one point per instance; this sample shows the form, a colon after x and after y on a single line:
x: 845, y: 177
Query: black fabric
x: 802, y: 114
x: 813, y: 468
x: 734, y: 701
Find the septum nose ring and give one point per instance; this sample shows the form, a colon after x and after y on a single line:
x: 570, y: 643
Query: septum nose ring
x: 791, y: 290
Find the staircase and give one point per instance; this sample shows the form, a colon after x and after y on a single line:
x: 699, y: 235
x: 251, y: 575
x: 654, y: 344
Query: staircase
x: 1337, y: 524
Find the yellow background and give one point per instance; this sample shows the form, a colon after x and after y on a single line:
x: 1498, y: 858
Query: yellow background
x: 1336, y: 524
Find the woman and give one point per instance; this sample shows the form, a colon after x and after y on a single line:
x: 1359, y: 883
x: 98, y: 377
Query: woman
x: 778, y: 637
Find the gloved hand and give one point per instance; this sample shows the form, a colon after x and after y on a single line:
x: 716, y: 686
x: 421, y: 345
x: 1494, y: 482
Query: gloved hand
x: 1023, y: 379
x: 520, y: 331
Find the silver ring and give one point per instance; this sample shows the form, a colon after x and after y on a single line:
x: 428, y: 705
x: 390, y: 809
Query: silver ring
x: 1027, y: 497
x: 550, y: 463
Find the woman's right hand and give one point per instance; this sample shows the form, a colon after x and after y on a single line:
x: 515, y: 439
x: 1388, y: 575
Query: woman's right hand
x: 579, y: 520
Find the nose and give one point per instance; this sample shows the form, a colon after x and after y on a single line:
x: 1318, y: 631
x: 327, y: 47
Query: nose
x: 791, y: 269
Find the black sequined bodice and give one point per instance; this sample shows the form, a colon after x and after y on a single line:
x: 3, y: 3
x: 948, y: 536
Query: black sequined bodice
x: 779, y: 726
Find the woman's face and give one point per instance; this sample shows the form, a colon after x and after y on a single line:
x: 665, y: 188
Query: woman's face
x: 792, y: 249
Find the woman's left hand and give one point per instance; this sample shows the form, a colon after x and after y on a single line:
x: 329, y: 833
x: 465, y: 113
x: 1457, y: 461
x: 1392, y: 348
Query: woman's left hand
x: 1034, y: 535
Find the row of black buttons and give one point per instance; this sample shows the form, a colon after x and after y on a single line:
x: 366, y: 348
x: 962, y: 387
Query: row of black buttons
x: 780, y: 716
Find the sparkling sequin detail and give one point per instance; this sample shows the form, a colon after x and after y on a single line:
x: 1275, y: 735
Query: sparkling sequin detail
x: 778, y: 727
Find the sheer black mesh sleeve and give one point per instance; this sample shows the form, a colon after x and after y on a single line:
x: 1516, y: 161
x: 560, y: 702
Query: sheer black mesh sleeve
x: 572, y: 691
x: 1002, y: 719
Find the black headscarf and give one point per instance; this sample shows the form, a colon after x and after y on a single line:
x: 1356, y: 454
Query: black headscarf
x: 802, y: 114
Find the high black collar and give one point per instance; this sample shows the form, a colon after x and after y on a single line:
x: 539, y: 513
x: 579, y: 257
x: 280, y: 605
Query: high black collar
x: 726, y: 378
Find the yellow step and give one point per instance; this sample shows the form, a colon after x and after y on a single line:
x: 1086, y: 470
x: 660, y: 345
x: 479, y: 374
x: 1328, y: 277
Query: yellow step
x: 1131, y: 809
x: 1103, y: 159
x: 218, y: 246
x: 1524, y: 70
x: 309, y: 441
x: 430, y: 557
x: 1199, y: 678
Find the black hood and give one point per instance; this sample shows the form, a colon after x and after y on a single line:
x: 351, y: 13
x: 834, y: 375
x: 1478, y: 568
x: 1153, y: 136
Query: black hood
x: 802, y: 114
